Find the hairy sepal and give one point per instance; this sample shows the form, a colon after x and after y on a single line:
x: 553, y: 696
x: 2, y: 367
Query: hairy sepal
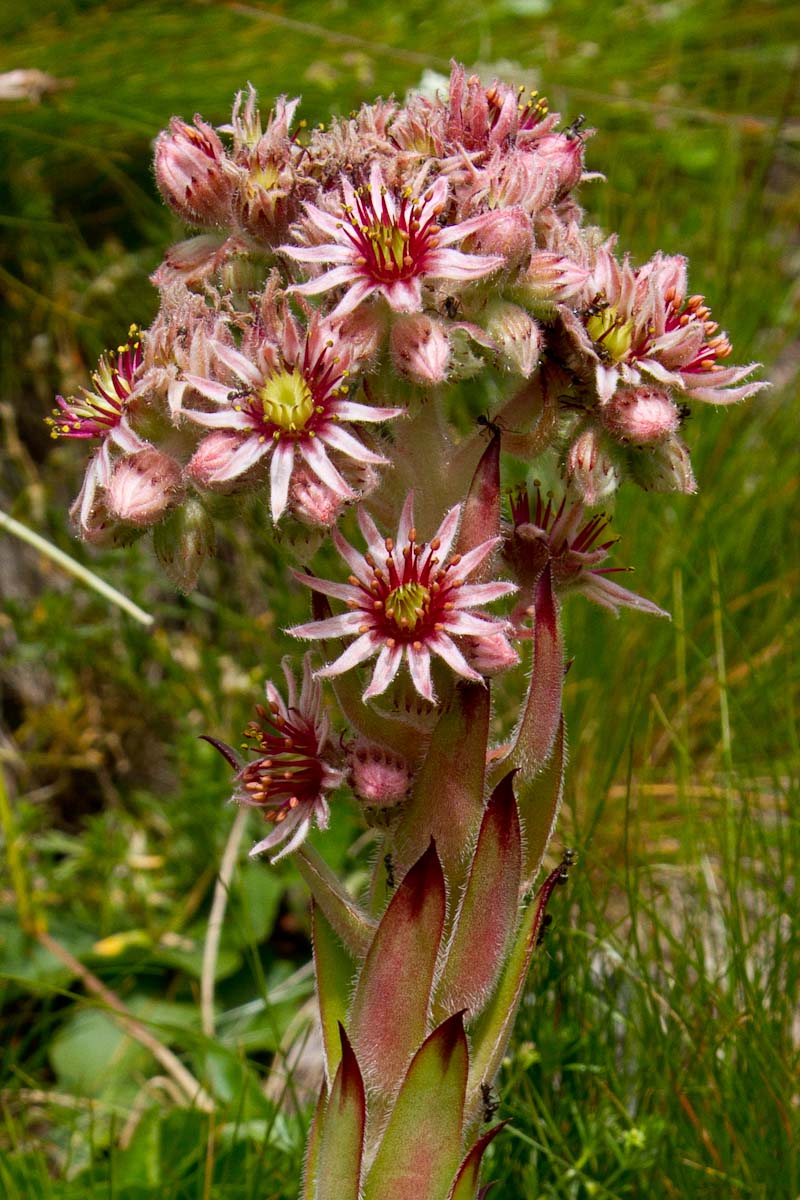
x: 334, y: 968
x: 465, y: 1184
x: 342, y: 1140
x: 389, y: 1017
x: 447, y: 800
x: 488, y: 912
x: 349, y: 921
x: 421, y: 1147
x: 490, y: 1033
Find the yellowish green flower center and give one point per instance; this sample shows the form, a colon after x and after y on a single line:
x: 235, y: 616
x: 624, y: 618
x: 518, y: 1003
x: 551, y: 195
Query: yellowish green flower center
x: 611, y: 333
x: 406, y: 605
x: 287, y: 401
x: 388, y: 245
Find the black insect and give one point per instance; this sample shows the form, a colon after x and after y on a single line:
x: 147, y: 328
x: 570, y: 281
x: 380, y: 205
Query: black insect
x: 451, y: 307
x: 547, y: 921
x: 569, y: 859
x: 574, y: 129
x: 388, y: 863
x: 684, y: 412
x: 489, y: 425
x: 491, y: 1101
x: 598, y: 306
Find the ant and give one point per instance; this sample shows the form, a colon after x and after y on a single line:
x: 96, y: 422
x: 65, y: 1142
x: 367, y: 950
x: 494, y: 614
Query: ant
x: 491, y: 1103
x: 569, y: 859
x: 451, y: 307
x: 388, y: 863
x: 547, y: 921
x: 574, y: 129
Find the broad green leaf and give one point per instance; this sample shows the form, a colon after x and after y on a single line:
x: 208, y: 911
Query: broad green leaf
x: 421, y: 1148
x: 353, y: 925
x: 255, y: 901
x: 489, y: 908
x: 309, y: 1185
x: 490, y: 1033
x: 539, y: 801
x: 447, y: 801
x: 342, y: 1140
x: 390, y: 1007
x: 334, y: 968
x: 465, y: 1184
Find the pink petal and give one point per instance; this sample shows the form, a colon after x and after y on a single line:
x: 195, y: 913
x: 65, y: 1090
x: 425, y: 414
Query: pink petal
x: 347, y: 410
x: 341, y: 440
x: 447, y: 649
x: 359, y: 651
x: 354, y: 560
x: 386, y: 668
x: 314, y: 454
x: 236, y: 362
x: 218, y: 392
x: 244, y: 457
x: 447, y: 531
x: 419, y: 664
x: 483, y: 593
x: 343, y: 625
x: 280, y: 474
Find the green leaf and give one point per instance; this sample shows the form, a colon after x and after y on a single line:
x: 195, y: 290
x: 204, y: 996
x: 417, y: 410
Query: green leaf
x: 255, y: 902
x: 465, y: 1184
x: 447, y: 801
x: 490, y: 1033
x: 480, y: 519
x: 420, y: 1150
x: 539, y: 801
x: 353, y: 925
x: 342, y: 1142
x: 309, y: 1187
x: 390, y: 1008
x: 488, y: 911
x: 334, y: 968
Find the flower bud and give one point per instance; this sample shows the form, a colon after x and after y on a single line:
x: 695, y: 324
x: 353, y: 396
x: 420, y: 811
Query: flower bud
x: 563, y: 155
x: 183, y: 542
x: 143, y: 487
x: 665, y: 467
x: 640, y: 415
x: 212, y: 456
x: 380, y: 777
x: 312, y: 501
x: 420, y: 348
x: 194, y: 174
x: 517, y: 336
x: 491, y: 654
x: 591, y: 467
x: 506, y: 232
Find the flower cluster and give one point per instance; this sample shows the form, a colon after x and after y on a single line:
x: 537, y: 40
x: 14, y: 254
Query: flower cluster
x: 337, y: 280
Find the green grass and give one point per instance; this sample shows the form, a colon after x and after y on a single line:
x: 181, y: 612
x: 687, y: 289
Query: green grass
x: 657, y: 1055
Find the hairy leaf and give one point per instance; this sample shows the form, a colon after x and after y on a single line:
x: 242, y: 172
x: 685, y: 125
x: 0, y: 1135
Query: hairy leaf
x: 334, y: 968
x: 465, y: 1184
x: 342, y: 1140
x: 351, y: 923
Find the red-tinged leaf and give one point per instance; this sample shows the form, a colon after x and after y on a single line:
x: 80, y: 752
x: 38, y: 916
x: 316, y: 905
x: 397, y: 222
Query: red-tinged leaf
x: 334, y: 968
x: 480, y: 519
x: 465, y: 1184
x: 446, y: 803
x: 309, y: 1186
x: 351, y: 923
x: 421, y: 1147
x: 390, y: 1007
x: 536, y: 731
x: 490, y: 1033
x: 539, y: 801
x: 484, y: 1192
x: 488, y: 913
x: 342, y: 1141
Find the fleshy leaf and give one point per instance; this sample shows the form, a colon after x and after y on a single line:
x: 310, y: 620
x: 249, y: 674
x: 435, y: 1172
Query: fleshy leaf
x: 309, y: 1186
x: 390, y: 1007
x: 351, y: 923
x: 488, y: 911
x: 539, y: 800
x: 447, y: 801
x: 490, y: 1033
x: 480, y: 519
x: 342, y: 1141
x: 334, y: 968
x: 421, y: 1148
x: 538, y: 726
x: 465, y: 1184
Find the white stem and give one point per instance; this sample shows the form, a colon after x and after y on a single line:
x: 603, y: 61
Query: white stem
x: 74, y: 568
x: 215, y: 919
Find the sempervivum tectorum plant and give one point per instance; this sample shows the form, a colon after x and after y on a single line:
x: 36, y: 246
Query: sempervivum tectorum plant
x: 310, y: 353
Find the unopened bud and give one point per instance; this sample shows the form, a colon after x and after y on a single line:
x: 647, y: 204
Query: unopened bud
x: 420, y: 348
x: 640, y: 415
x: 591, y: 467
x: 490, y: 654
x: 563, y: 155
x: 379, y: 776
x: 143, y: 487
x: 194, y: 174
x: 665, y: 467
x: 212, y: 457
x: 312, y: 501
x: 183, y: 542
x: 506, y: 232
x: 517, y: 336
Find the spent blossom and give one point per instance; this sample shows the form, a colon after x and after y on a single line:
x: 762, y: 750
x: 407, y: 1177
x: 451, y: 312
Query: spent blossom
x: 407, y: 600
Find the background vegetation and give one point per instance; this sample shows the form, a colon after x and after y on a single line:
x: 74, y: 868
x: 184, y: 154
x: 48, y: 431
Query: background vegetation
x: 657, y: 1053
